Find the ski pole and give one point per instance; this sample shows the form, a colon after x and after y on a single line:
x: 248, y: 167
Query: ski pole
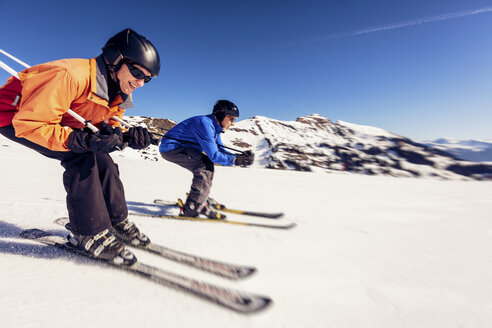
x: 14, y: 59
x: 16, y: 75
x: 9, y: 69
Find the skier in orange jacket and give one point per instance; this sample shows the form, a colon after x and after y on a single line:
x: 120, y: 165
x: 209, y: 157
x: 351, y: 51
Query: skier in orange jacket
x: 33, y: 112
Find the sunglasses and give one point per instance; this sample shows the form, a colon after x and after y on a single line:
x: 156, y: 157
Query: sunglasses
x: 137, y: 73
x: 231, y: 118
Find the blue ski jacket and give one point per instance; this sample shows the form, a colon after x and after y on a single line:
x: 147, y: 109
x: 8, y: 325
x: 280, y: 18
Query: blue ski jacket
x: 199, y: 132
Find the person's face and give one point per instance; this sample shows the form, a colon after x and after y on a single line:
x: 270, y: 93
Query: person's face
x: 227, y: 122
x: 128, y: 82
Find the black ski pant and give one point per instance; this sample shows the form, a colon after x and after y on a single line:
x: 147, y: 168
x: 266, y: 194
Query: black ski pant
x: 95, y: 194
x: 197, y: 163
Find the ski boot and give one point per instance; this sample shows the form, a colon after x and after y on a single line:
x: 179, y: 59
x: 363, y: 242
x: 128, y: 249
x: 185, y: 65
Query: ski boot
x: 128, y: 232
x: 192, y: 209
x: 103, y: 246
x: 212, y: 203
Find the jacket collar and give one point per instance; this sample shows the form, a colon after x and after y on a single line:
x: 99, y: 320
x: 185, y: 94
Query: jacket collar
x: 99, y: 86
x: 217, y: 126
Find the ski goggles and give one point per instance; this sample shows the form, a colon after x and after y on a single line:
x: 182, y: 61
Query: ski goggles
x: 137, y: 73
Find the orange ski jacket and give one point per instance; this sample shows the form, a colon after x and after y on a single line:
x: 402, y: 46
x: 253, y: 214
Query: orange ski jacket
x: 37, y: 105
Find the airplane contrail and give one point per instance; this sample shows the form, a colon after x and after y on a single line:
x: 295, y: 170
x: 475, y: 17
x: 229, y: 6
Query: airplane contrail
x: 403, y: 24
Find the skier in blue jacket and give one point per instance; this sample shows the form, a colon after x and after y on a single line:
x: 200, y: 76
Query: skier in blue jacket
x: 195, y: 144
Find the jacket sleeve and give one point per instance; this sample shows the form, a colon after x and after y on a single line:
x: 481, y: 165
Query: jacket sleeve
x: 223, y: 150
x: 46, y: 96
x: 204, y: 133
x: 114, y: 123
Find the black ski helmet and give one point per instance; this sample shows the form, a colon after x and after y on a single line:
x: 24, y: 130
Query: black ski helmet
x: 131, y: 46
x: 222, y: 108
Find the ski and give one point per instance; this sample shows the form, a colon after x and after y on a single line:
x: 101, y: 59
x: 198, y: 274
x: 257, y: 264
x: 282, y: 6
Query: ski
x: 238, y: 301
x: 222, y: 208
x: 226, y: 221
x: 226, y: 270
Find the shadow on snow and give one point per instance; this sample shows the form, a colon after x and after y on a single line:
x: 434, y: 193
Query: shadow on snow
x: 154, y: 209
x: 30, y: 249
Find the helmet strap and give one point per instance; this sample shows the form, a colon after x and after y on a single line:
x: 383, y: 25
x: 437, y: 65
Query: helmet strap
x: 220, y: 115
x: 115, y: 65
x: 113, y: 82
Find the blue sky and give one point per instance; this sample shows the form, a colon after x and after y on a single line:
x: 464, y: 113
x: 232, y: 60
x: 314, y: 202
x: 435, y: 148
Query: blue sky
x: 421, y: 69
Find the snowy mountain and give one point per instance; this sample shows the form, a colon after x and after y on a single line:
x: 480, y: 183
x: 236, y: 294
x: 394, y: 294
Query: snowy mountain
x: 314, y: 143
x: 469, y: 150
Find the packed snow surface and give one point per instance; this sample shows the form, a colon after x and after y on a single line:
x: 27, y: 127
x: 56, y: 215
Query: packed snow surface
x: 368, y: 251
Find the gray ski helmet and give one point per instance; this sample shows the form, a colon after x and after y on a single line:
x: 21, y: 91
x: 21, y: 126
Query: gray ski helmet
x: 222, y: 108
x: 131, y: 46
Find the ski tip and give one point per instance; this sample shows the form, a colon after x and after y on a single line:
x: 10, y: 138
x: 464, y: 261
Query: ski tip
x: 267, y: 302
x: 292, y: 225
x: 244, y: 272
x: 252, y: 270
x: 256, y: 304
x: 281, y: 227
x: 268, y: 215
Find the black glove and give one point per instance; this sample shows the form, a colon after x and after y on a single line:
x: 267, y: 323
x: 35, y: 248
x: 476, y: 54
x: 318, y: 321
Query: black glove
x: 245, y: 159
x: 137, y: 137
x: 155, y: 141
x: 106, y: 140
x: 106, y: 129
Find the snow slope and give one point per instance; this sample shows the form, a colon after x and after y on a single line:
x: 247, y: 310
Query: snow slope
x: 368, y: 251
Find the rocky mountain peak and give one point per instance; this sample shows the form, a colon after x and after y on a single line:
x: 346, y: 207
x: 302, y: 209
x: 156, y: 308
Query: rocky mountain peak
x: 314, y: 119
